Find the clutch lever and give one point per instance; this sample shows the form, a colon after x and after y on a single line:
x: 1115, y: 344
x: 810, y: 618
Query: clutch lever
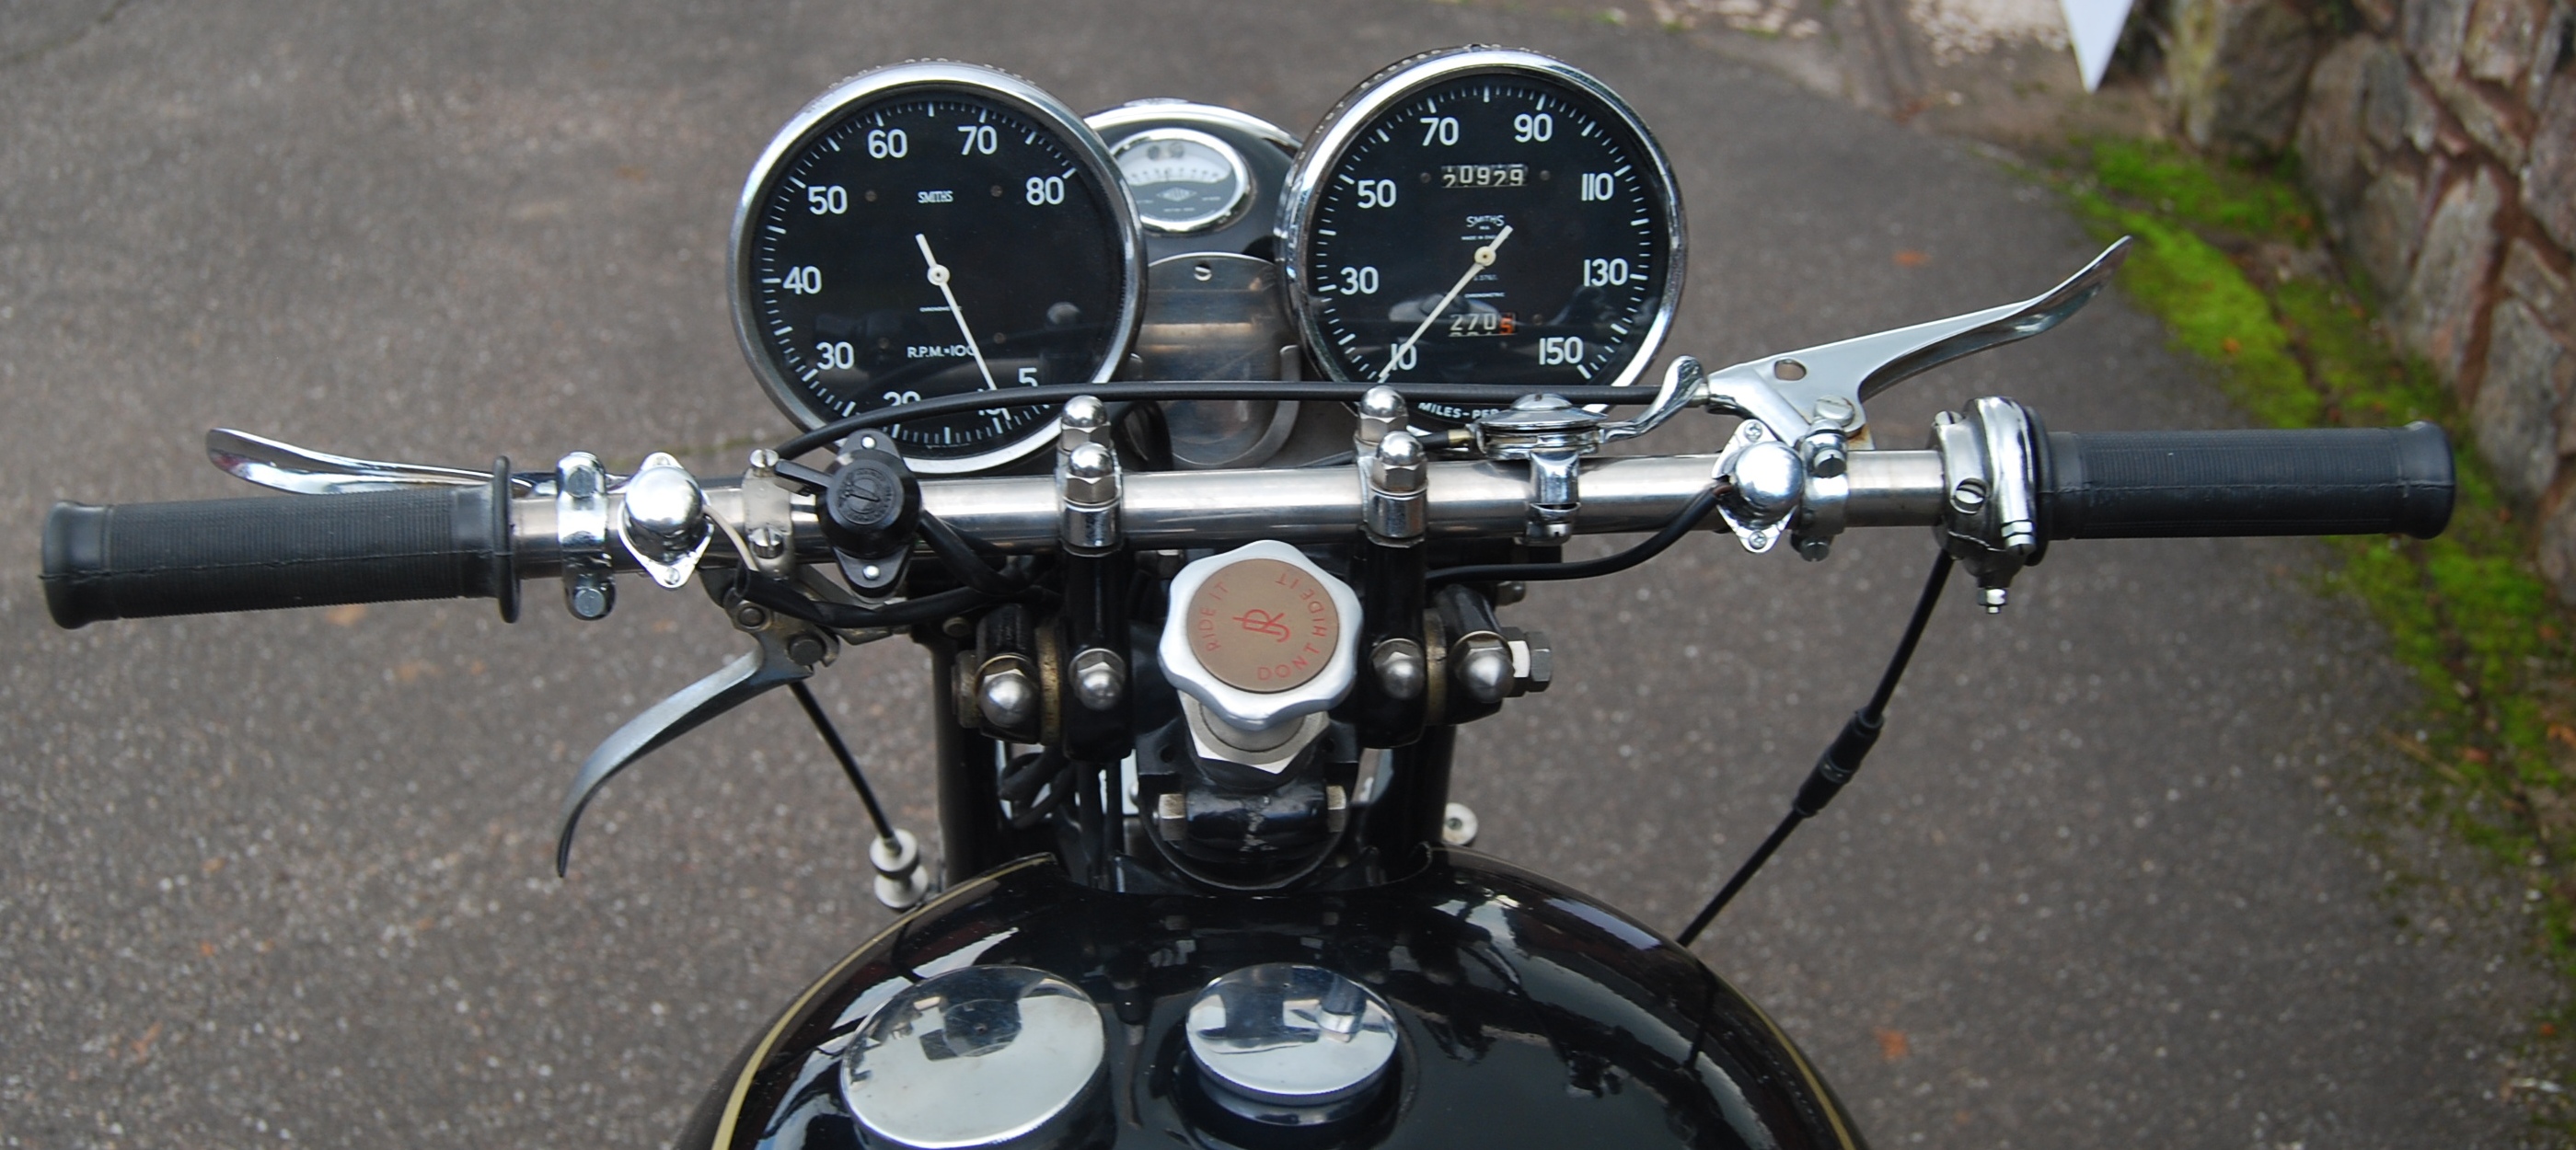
x: 1824, y: 386
x: 788, y: 652
x: 284, y: 466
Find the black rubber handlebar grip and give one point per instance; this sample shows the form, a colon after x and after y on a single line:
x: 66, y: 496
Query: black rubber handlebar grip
x: 2178, y: 484
x: 139, y: 560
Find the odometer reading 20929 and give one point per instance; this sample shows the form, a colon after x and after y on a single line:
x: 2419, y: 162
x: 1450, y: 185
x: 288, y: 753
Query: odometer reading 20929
x: 1483, y: 216
x: 930, y: 230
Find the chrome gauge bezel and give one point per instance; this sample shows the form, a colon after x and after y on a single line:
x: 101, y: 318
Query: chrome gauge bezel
x: 1244, y: 185
x: 1342, y: 126
x: 825, y: 112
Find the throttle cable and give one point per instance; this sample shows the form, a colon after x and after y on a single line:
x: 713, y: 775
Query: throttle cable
x: 1841, y: 759
x: 1691, y: 515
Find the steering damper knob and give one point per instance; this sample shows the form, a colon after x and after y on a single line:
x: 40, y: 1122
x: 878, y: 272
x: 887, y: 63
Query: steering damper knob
x: 1261, y: 636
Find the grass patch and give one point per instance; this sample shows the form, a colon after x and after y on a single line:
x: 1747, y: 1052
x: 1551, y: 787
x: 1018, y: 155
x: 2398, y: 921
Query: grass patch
x: 2466, y: 613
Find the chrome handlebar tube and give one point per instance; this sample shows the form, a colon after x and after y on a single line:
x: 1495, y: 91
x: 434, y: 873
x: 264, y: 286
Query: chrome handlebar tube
x: 1465, y: 500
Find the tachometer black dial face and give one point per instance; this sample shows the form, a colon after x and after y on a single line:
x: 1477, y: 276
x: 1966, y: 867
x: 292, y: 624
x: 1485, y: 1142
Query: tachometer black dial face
x: 930, y: 230
x: 1483, y: 216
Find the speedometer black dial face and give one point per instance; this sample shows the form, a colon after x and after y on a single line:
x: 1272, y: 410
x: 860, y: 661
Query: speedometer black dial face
x: 1483, y: 216
x: 929, y: 230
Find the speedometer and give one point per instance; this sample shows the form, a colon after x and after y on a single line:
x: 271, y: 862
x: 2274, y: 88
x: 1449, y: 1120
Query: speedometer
x: 934, y: 229
x: 1482, y: 215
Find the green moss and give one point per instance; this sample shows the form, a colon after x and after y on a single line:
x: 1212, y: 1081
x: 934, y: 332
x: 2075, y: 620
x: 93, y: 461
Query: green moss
x: 2198, y: 193
x: 2465, y: 613
x: 2212, y: 310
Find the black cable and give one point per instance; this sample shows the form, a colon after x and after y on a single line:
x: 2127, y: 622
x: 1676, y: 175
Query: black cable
x: 1841, y: 759
x: 840, y: 750
x: 1691, y: 515
x: 782, y: 596
x: 960, y: 554
x: 1020, y: 781
x: 1048, y: 395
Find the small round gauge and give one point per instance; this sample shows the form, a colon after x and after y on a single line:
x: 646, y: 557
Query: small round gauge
x: 1482, y: 215
x: 934, y: 229
x: 1184, y: 180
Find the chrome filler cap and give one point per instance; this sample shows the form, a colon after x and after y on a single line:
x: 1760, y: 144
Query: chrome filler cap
x: 1291, y: 1044
x: 985, y: 1056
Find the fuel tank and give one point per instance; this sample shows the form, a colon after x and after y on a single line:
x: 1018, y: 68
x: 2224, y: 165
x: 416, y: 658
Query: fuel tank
x: 1518, y: 1013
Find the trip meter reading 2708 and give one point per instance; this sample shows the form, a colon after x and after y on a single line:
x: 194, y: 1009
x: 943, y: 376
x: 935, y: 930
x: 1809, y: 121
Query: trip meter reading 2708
x: 928, y: 230
x: 1482, y: 215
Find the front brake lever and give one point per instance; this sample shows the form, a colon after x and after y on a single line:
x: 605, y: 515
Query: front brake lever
x: 776, y: 663
x: 1793, y: 392
x: 304, y: 471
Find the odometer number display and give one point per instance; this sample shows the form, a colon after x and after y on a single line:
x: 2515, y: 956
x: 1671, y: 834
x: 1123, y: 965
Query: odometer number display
x: 930, y: 230
x: 1483, y: 216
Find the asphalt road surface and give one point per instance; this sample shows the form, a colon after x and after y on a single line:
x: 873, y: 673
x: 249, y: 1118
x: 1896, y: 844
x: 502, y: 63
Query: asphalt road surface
x: 285, y: 878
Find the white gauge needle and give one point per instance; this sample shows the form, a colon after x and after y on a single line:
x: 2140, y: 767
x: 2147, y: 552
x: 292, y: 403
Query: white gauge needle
x: 1484, y: 259
x: 939, y: 279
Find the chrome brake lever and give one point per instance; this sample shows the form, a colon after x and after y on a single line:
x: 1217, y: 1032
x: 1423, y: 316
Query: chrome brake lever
x: 789, y: 651
x: 304, y: 471
x: 1794, y: 392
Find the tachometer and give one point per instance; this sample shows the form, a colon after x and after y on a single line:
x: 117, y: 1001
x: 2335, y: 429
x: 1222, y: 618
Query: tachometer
x: 1482, y: 215
x: 932, y: 229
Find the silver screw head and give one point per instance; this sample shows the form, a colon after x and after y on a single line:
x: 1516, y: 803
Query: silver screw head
x: 1992, y: 599
x: 1382, y: 402
x: 1099, y: 678
x: 1486, y: 671
x: 1969, y: 495
x: 1381, y: 411
x: 1007, y: 698
x: 1396, y: 466
x: 1085, y: 420
x: 1400, y: 668
x: 768, y: 542
x: 1091, y: 475
x: 589, y: 597
x: 579, y: 475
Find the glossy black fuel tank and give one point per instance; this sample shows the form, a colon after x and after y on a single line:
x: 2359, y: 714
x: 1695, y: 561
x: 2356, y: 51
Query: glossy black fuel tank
x: 1527, y: 1016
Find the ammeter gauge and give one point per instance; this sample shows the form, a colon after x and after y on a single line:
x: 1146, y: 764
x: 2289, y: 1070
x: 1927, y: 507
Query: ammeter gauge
x: 932, y: 229
x: 1184, y: 180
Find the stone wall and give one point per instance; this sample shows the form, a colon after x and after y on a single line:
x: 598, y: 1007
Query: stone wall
x: 2440, y: 138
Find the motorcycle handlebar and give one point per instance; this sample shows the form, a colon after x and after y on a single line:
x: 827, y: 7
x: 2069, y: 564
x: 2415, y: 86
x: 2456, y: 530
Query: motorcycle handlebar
x: 140, y: 560
x: 2178, y: 484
